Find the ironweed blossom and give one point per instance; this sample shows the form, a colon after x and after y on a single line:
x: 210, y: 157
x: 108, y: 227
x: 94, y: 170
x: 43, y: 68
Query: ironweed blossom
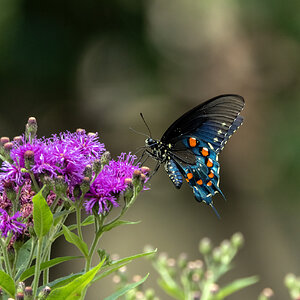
x: 110, y: 182
x: 71, y: 165
x: 10, y: 224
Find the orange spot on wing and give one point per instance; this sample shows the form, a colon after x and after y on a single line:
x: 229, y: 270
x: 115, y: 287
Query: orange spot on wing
x: 189, y: 175
x: 211, y: 174
x: 209, y: 183
x: 187, y: 180
x: 209, y: 163
x: 192, y: 142
x: 200, y: 182
x: 204, y: 151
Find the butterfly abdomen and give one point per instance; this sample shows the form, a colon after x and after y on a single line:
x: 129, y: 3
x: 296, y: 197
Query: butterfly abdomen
x: 173, y: 173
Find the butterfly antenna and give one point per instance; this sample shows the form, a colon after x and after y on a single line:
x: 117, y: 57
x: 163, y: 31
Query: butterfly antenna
x: 138, y: 132
x: 146, y: 124
x: 215, y: 210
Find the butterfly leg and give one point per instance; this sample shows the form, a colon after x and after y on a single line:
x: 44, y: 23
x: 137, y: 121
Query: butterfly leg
x: 155, y: 169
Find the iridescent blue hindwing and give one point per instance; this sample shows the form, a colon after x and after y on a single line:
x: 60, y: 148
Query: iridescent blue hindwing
x: 203, y: 176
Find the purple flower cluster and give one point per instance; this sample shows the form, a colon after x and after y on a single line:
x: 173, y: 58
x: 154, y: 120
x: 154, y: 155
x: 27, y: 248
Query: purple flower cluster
x: 66, y: 154
x: 110, y: 182
x: 66, y: 157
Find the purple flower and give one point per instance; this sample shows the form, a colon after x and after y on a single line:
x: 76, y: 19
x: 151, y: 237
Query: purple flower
x: 10, y: 224
x: 11, y: 172
x: 110, y: 183
x: 65, y: 154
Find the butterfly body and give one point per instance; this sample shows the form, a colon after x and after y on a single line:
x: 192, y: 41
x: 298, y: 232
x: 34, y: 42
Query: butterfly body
x: 190, y: 147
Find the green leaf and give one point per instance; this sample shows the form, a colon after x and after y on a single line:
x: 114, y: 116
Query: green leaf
x: 42, y: 215
x: 73, y: 290
x: 63, y: 280
x: 108, y: 272
x: 117, y: 223
x: 23, y: 257
x: 75, y: 239
x: 125, y: 289
x: 235, y: 286
x: 7, y: 284
x: 171, y: 289
x: 129, y: 258
x: 47, y: 264
x: 88, y: 220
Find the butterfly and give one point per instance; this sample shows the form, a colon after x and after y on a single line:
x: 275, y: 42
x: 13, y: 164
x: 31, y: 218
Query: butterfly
x: 190, y: 147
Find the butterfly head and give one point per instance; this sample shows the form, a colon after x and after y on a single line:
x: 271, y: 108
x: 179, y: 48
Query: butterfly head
x: 151, y: 143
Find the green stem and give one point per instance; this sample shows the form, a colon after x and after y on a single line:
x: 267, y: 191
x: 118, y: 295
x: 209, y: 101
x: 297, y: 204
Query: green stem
x: 78, y: 221
x: 34, y: 181
x: 97, y: 236
x: 5, y: 256
x: 206, y: 289
x: 37, y: 267
x: 46, y: 271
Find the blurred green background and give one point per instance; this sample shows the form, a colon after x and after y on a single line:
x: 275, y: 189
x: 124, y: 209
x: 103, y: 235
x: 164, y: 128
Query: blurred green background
x: 97, y: 64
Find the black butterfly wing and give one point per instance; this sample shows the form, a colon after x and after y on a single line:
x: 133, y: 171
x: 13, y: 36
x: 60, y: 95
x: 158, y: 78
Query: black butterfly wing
x: 214, y: 121
x: 196, y: 139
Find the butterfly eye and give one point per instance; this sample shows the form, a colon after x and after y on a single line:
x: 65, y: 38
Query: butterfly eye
x: 150, y: 142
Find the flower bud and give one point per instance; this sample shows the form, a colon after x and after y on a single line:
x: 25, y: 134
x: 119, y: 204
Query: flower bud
x: 60, y: 185
x: 145, y: 170
x: 31, y: 128
x: 217, y: 254
x: 28, y: 292
x: 88, y: 171
x: 97, y: 166
x: 77, y: 191
x: 143, y: 178
x: 214, y: 288
x: 9, y: 190
x: 116, y: 279
x: 29, y: 159
x: 105, y: 158
x: 290, y: 280
x: 4, y: 140
x: 18, y: 139
x: 149, y: 294
x: 128, y: 182
x: 91, y: 134
x: 85, y: 185
x: 44, y: 293
x: 49, y: 183
x: 8, y: 146
x: 225, y: 247
x: 80, y: 130
x: 205, y: 246
x: 20, y: 296
x: 266, y: 294
x: 237, y: 240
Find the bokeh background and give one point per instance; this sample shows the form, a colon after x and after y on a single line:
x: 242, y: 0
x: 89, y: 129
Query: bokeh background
x: 98, y: 64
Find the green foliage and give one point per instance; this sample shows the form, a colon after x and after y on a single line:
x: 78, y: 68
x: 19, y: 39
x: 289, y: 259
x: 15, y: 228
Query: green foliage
x: 42, y: 215
x: 182, y: 279
x: 75, y: 288
x: 293, y: 284
x: 7, y: 283
x: 75, y: 240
